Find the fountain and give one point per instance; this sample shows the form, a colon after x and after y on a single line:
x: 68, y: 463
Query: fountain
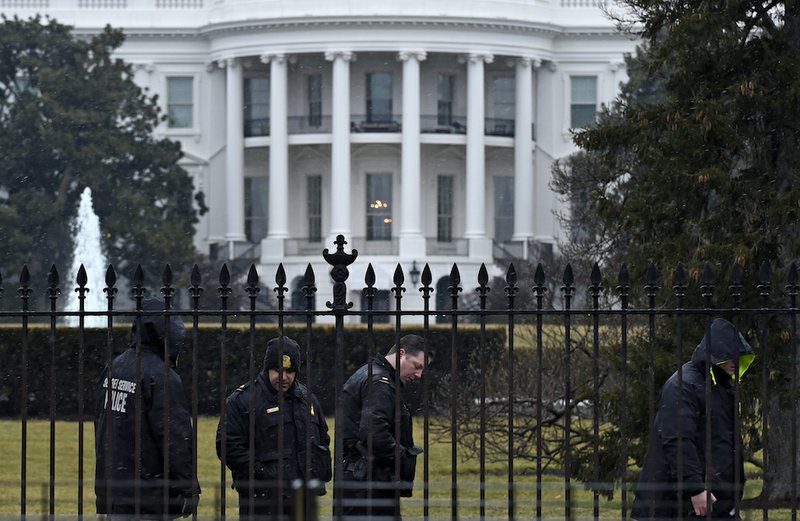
x: 87, y: 250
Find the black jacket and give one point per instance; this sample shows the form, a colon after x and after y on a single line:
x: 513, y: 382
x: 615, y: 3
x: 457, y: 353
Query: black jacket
x: 157, y: 395
x: 657, y: 491
x: 364, y: 418
x: 295, y: 416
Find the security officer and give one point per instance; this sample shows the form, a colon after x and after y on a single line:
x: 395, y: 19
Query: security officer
x: 371, y: 488
x: 279, y: 403
x: 160, y: 392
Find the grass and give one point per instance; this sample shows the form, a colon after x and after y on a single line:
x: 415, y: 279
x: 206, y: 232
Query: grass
x: 468, y: 480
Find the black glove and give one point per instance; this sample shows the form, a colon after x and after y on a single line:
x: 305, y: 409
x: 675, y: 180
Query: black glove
x: 189, y: 506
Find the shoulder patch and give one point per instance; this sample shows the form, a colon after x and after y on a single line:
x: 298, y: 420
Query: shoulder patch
x: 242, y: 387
x: 385, y: 379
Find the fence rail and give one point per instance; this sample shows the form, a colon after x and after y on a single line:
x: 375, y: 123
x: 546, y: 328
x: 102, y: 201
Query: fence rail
x: 537, y: 404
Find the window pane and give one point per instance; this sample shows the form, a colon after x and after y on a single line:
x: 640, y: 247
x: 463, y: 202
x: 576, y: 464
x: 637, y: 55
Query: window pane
x: 315, y: 100
x: 584, y: 101
x: 180, y: 93
x: 504, y: 92
x: 314, y: 195
x: 444, y: 209
x: 444, y: 107
x: 584, y: 89
x: 379, y: 97
x: 256, y: 106
x: 256, y: 201
x: 379, y: 207
x: 503, y: 208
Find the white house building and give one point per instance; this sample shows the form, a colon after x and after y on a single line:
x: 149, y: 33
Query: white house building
x: 421, y: 130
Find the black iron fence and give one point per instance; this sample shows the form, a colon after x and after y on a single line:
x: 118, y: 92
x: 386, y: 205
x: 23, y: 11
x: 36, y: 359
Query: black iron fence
x: 538, y: 400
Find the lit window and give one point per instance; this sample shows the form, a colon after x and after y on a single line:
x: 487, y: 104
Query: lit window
x: 379, y: 207
x: 583, y: 107
x: 180, y: 102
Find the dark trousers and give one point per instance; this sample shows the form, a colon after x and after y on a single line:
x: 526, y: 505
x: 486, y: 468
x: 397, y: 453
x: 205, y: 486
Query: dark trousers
x: 369, y: 500
x: 265, y: 507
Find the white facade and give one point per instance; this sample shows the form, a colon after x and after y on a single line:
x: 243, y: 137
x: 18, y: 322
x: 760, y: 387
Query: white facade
x: 421, y: 130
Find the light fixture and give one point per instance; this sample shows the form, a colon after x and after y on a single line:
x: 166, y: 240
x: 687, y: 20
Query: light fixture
x: 414, y: 273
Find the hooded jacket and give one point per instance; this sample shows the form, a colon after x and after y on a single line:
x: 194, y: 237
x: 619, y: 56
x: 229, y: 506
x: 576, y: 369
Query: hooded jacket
x: 165, y: 424
x: 681, y: 420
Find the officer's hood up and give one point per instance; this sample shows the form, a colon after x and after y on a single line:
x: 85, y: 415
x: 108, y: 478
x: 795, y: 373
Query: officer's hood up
x: 158, y: 329
x: 721, y: 343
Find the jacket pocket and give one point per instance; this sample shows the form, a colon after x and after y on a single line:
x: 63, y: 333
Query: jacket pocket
x: 408, y: 469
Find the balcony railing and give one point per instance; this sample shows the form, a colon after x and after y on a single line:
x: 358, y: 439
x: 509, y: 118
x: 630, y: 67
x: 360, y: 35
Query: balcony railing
x: 381, y: 123
x: 436, y: 124
x: 311, y: 124
x: 429, y: 124
x: 256, y: 127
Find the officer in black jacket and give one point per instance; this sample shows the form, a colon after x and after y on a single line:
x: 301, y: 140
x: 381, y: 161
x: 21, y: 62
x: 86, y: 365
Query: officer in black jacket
x: 372, y: 488
x: 681, y: 420
x: 288, y: 423
x: 165, y: 424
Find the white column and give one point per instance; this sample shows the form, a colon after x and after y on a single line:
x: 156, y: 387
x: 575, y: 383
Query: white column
x: 272, y: 247
x: 412, y: 240
x: 524, y: 193
x: 340, y: 146
x: 549, y: 139
x: 480, y: 246
x: 234, y: 152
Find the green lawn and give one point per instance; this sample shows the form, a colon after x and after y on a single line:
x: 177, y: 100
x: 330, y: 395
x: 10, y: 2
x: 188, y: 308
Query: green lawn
x: 38, y: 469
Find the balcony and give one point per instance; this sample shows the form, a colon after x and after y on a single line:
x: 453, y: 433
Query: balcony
x: 377, y: 123
x: 429, y: 124
x: 256, y: 127
x: 436, y: 124
x: 311, y: 124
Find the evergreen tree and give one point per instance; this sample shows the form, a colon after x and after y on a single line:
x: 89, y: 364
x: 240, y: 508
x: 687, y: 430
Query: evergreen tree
x: 71, y: 117
x: 697, y: 162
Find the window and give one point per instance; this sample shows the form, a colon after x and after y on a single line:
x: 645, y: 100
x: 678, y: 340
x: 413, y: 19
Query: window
x: 180, y: 102
x: 314, y: 100
x: 379, y: 97
x: 256, y: 107
x: 314, y: 203
x: 445, y: 87
x: 379, y: 207
x: 444, y: 208
x: 504, y: 90
x: 503, y: 208
x: 583, y: 106
x: 256, y: 204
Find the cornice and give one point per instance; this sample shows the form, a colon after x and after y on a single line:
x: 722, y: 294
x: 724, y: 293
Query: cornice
x: 548, y: 28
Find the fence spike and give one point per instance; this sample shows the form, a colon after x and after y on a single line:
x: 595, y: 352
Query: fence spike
x: 764, y: 274
x: 398, y: 278
x: 24, y: 290
x: 596, y: 277
x: 651, y: 276
x: 538, y: 276
x: 624, y: 278
x: 252, y: 276
x: 52, y: 277
x: 569, y: 278
x: 81, y: 279
x: 427, y: 277
x: 369, y: 276
x: 309, y: 287
x: 195, y: 278
x: 280, y: 276
x: 224, y: 276
x: 166, y: 277
x: 138, y: 276
x: 511, y: 288
x: 111, y: 276
x: 483, y: 276
x: 791, y: 277
x: 455, y: 278
x: 195, y: 290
